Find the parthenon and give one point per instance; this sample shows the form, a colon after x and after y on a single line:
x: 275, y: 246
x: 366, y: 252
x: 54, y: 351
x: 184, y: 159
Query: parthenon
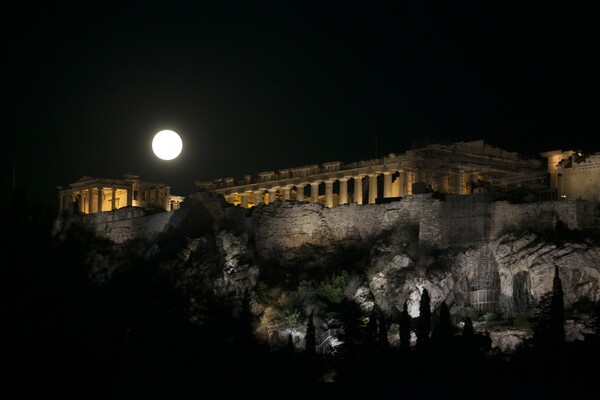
x: 453, y: 168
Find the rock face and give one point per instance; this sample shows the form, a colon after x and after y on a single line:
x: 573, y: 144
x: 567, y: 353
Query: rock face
x: 393, y: 255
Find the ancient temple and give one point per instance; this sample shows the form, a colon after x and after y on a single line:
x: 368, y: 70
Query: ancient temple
x: 93, y: 195
x: 453, y: 168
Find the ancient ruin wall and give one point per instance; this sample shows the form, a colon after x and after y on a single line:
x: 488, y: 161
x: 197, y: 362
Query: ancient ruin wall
x: 130, y: 223
x: 576, y: 214
x: 288, y: 225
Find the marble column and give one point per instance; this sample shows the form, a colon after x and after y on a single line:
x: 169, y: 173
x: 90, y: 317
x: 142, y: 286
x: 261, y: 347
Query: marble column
x: 314, y: 192
x: 396, y: 186
x: 410, y: 176
x: 272, y: 195
x: 100, y: 192
x: 286, y: 193
x: 464, y: 176
x: 329, y: 193
x: 112, y: 202
x: 129, y: 197
x: 89, y: 201
x: 258, y: 197
x: 358, y: 191
x: 166, y: 200
x: 343, y: 191
x: 244, y: 199
x: 300, y: 191
x: 445, y: 183
x: 387, y: 184
x: 372, y: 188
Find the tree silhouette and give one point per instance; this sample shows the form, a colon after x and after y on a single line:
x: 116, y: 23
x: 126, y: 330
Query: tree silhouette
x: 405, y: 328
x: 549, y: 330
x: 424, y: 322
x: 442, y: 334
x: 556, y: 323
x: 382, y: 332
x: 468, y: 331
x: 289, y: 348
x: 311, y: 341
x: 245, y: 328
x: 371, y: 329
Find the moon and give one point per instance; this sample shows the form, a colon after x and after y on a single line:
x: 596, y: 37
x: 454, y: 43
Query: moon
x: 167, y: 145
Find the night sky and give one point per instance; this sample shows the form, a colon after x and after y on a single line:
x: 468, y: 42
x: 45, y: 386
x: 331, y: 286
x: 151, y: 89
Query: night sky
x: 257, y: 86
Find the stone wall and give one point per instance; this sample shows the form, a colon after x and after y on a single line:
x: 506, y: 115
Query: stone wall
x: 286, y: 225
x: 577, y: 214
x: 129, y: 223
x: 579, y: 177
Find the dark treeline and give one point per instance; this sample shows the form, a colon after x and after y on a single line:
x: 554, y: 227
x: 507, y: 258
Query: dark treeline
x: 131, y: 337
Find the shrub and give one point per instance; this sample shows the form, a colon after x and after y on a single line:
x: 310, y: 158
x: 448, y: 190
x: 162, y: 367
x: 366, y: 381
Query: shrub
x: 262, y: 292
x: 490, y: 316
x: 333, y: 289
x: 291, y: 319
x: 521, y: 320
x: 469, y: 312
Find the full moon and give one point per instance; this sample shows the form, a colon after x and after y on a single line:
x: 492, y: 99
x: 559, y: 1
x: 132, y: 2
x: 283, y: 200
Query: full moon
x: 167, y: 145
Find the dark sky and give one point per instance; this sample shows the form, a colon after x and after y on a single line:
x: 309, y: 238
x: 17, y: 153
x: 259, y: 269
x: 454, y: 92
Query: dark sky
x: 256, y: 86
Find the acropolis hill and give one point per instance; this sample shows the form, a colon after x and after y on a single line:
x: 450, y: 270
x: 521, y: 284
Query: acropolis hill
x: 469, y: 175
x: 441, y: 217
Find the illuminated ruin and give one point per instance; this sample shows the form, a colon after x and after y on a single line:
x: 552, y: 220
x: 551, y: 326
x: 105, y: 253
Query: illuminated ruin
x: 456, y: 168
x: 93, y: 195
x: 574, y: 174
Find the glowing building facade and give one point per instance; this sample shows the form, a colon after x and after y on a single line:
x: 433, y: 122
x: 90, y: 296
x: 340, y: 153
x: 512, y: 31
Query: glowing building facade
x: 574, y: 174
x: 455, y: 168
x: 94, y: 195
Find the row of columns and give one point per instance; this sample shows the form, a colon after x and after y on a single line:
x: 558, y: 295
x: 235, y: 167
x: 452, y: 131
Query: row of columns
x: 258, y: 195
x: 86, y: 207
x: 457, y: 182
x: 85, y: 199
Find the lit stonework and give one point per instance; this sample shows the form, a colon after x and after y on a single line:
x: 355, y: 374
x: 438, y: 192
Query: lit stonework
x: 94, y: 195
x: 456, y: 168
x: 574, y: 174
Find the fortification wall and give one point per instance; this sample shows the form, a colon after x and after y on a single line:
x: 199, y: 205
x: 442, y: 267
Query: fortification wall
x: 580, y: 178
x: 128, y: 223
x: 577, y: 214
x: 285, y: 226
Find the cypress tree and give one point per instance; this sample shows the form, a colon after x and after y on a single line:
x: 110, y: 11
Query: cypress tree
x: 371, y: 329
x: 424, y: 322
x: 310, y: 335
x: 557, y: 311
x: 468, y: 331
x: 245, y: 322
x: 442, y: 335
x: 290, y: 344
x: 405, y: 328
x: 467, y: 339
x: 382, y: 332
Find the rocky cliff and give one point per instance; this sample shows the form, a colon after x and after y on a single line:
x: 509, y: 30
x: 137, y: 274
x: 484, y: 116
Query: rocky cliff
x: 290, y: 256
